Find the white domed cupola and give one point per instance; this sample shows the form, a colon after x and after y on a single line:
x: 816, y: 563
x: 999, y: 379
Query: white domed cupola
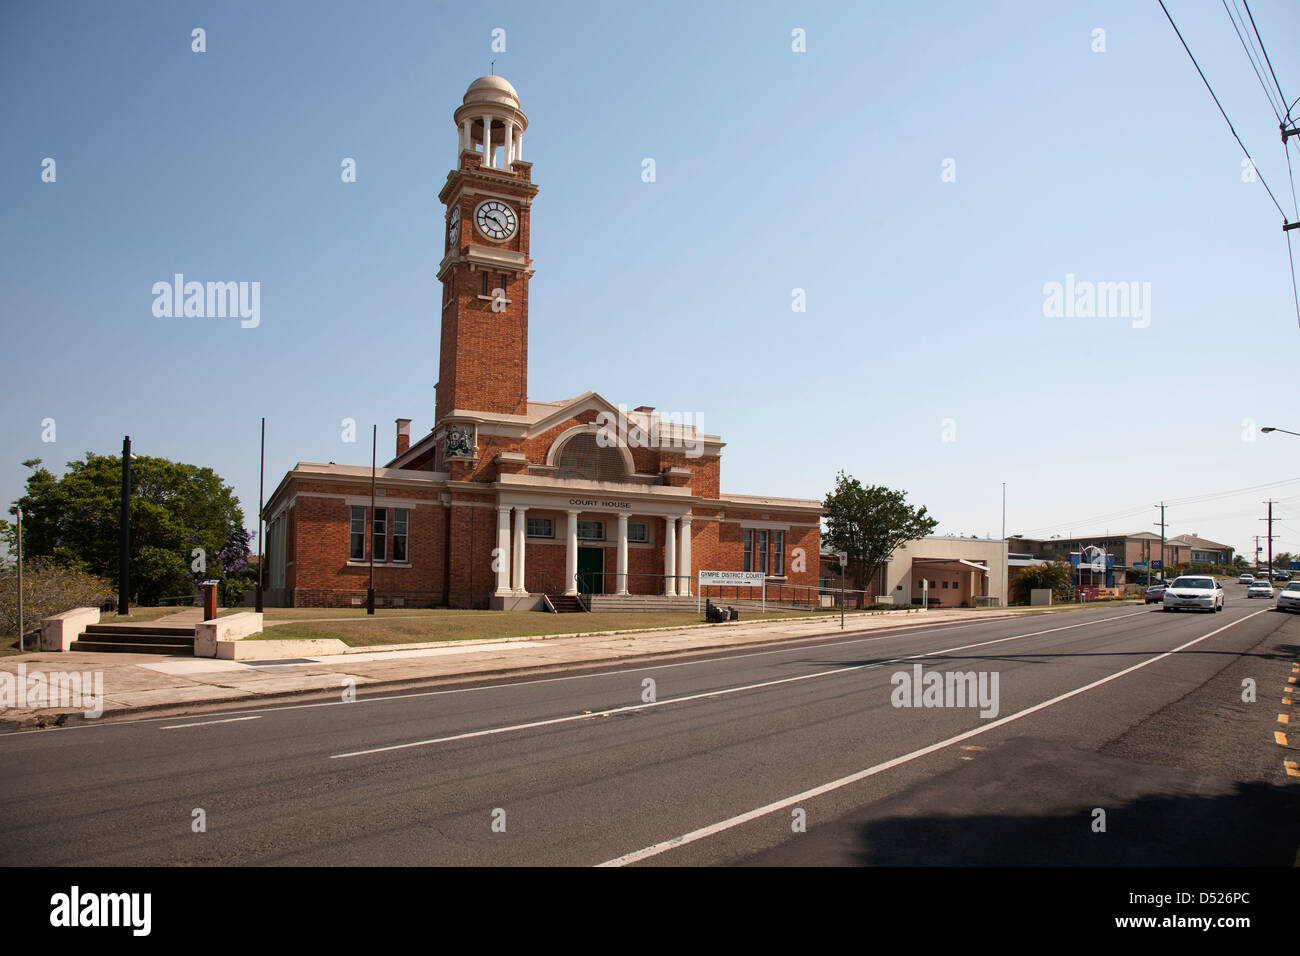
x: 489, y: 120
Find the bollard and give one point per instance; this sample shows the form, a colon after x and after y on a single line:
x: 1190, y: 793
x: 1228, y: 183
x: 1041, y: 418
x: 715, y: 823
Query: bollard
x: 209, y: 600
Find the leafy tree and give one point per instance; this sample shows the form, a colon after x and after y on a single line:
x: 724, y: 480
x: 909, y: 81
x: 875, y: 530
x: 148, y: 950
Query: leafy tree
x: 870, y: 523
x: 1282, y: 560
x: 175, y: 508
x: 1055, y: 576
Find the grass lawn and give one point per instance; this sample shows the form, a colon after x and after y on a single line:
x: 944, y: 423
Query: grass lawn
x: 357, y: 629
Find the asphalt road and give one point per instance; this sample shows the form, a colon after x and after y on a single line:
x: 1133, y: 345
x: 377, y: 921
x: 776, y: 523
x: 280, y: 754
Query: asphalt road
x: 1125, y: 710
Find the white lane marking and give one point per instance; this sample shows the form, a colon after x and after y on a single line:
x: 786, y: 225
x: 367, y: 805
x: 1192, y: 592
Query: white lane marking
x: 893, y: 631
x: 720, y: 692
x: 702, y: 832
x: 205, y: 723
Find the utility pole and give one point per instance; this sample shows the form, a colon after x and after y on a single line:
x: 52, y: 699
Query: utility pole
x: 261, y: 553
x: 370, y: 591
x: 1269, y: 519
x: 1257, y: 550
x: 19, y: 511
x: 1161, y: 506
x: 1005, y: 557
x: 124, y: 555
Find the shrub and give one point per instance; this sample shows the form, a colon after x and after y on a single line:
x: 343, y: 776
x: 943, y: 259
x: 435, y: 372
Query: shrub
x: 48, y: 589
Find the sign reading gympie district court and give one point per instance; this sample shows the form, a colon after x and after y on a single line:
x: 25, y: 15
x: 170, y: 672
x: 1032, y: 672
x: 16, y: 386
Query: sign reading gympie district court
x: 735, y: 579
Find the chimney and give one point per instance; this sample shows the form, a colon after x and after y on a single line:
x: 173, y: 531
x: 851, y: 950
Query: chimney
x: 403, y: 435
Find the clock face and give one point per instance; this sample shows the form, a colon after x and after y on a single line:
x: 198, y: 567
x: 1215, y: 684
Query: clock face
x: 495, y: 220
x: 453, y: 227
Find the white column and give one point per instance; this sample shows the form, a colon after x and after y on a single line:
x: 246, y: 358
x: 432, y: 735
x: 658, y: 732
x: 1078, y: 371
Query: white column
x: 571, y: 556
x: 487, y: 142
x: 519, y: 146
x: 464, y: 137
x: 507, y: 149
x: 502, y: 557
x: 670, y: 556
x: 621, y: 582
x: 684, y: 566
x: 521, y: 530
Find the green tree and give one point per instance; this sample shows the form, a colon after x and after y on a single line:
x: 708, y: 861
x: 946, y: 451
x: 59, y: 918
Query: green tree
x: 1055, y: 576
x: 175, y: 509
x: 870, y: 523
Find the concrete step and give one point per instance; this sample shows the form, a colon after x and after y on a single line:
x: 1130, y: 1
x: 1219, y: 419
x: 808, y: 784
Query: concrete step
x: 130, y: 647
x: 111, y: 632
x: 138, y: 638
x: 566, y: 603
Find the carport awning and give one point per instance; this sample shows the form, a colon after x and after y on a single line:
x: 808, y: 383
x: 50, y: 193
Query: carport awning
x: 950, y: 564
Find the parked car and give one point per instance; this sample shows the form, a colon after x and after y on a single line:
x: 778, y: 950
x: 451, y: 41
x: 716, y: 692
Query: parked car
x: 1280, y: 575
x: 1156, y: 593
x: 1260, y: 588
x: 1194, y: 593
x: 1246, y: 579
x: 1288, y: 599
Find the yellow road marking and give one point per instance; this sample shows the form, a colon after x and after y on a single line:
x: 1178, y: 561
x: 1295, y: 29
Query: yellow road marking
x: 971, y: 747
x: 1286, y: 701
x: 1291, y: 769
x: 1284, y: 718
x: 1279, y: 737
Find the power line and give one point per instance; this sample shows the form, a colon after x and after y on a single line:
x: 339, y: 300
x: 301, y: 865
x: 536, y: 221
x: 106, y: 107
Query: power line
x: 1246, y: 4
x: 1268, y: 94
x: 1231, y: 129
x: 1180, y: 502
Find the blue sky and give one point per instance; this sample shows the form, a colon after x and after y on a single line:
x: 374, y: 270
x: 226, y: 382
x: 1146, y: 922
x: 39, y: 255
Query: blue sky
x: 776, y: 170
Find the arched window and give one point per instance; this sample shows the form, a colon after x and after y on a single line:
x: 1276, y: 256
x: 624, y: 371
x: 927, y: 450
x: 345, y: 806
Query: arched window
x: 582, y: 457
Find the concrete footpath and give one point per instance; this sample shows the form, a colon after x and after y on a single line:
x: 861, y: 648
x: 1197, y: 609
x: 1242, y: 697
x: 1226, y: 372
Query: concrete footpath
x: 149, y: 684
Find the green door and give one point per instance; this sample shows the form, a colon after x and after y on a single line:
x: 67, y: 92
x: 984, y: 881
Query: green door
x: 591, y: 565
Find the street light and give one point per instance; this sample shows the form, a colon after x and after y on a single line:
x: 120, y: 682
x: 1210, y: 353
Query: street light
x: 1270, y: 428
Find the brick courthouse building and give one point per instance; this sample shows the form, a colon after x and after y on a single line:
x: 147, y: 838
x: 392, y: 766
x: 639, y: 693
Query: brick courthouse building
x: 507, y: 498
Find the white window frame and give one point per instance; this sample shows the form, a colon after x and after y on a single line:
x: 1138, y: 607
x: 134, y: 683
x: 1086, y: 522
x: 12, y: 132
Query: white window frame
x: 402, y: 520
x: 379, y: 534
x: 352, y: 533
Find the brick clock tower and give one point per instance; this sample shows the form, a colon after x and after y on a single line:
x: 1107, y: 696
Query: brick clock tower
x: 483, y: 366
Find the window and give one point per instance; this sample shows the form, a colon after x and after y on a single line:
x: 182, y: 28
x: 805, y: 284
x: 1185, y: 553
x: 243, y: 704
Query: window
x: 357, y: 549
x: 638, y: 531
x: 945, y: 585
x: 379, y: 534
x: 778, y: 553
x: 749, y: 549
x: 763, y: 537
x: 484, y: 283
x: 401, y: 520
x: 541, y: 528
x: 591, y: 530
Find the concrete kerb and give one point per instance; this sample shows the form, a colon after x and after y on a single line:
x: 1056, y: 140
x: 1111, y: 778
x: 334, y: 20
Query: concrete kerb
x: 464, y: 680
x: 488, y: 675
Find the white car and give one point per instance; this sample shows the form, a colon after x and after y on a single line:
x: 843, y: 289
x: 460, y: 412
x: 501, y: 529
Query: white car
x: 1246, y: 579
x: 1194, y: 592
x: 1260, y: 588
x: 1288, y: 599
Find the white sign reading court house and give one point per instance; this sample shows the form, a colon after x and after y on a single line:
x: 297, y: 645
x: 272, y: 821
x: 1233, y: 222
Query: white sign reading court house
x: 736, y: 579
